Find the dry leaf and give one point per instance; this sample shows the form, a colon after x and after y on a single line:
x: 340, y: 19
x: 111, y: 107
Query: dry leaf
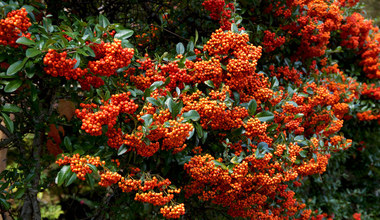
x: 53, y: 146
x: 66, y: 108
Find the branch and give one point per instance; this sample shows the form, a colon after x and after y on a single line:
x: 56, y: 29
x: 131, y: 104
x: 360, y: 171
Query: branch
x: 5, y: 131
x: 5, y: 142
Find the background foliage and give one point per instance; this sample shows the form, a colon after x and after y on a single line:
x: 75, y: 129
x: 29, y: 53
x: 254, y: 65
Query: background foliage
x: 213, y: 121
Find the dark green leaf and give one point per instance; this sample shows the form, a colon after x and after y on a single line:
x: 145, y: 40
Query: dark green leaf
x: 4, y: 204
x: 15, y: 67
x: 93, y: 167
x: 122, y: 150
x: 31, y: 52
x: 199, y: 130
x: 19, y: 193
x: 210, y: 83
x: 265, y: 116
x: 103, y: 21
x: 153, y: 101
x: 123, y: 34
x: 303, y: 153
x: 262, y: 149
x: 272, y: 127
x: 71, y: 179
x: 156, y: 85
x: 62, y: 174
x: 67, y: 143
x: 148, y: 119
x: 191, y: 115
x: 8, y: 122
x: 25, y: 41
x: 10, y: 108
x: 219, y: 164
x: 252, y: 106
x: 13, y: 85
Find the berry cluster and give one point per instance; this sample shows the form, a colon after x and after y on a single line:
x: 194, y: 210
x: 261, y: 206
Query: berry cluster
x: 79, y: 165
x: 110, y: 57
x: 13, y: 27
x: 173, y: 211
x: 92, y: 122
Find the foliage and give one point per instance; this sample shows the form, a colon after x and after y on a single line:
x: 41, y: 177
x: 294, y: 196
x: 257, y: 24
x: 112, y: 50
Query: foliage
x: 240, y: 122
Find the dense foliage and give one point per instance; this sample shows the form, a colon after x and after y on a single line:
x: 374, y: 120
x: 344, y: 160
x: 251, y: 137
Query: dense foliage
x: 189, y: 109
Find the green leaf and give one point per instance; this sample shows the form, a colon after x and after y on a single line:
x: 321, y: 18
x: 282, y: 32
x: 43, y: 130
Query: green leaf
x: 148, y: 119
x: 19, y: 193
x: 122, y: 150
x: 93, y: 167
x: 15, y: 67
x: 13, y: 85
x: 31, y: 52
x: 303, y: 153
x: 71, y: 179
x: 236, y: 160
x: 4, y: 204
x: 67, y: 143
x: 191, y: 115
x: 173, y: 107
x: 153, y: 101
x: 199, y: 130
x: 103, y: 21
x: 272, y: 127
x: 190, y: 46
x: 299, y: 115
x: 48, y: 25
x: 10, y: 108
x: 90, y: 180
x: 62, y: 175
x: 156, y: 85
x: 219, y: 164
x: 265, y: 116
x: 262, y: 149
x: 180, y: 48
x: 8, y: 122
x: 252, y: 106
x: 234, y: 28
x: 25, y: 41
x: 210, y: 83
x: 293, y: 103
x: 123, y: 34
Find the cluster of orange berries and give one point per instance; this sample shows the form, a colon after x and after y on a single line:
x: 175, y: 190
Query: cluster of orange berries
x: 92, y: 122
x: 286, y: 73
x: 270, y: 43
x: 356, y: 34
x: 216, y: 115
x: 372, y: 91
x: 13, y: 27
x: 148, y: 195
x: 57, y: 64
x: 79, y: 165
x: 368, y: 116
x: 256, y: 129
x: 173, y: 211
x: 221, y: 11
x: 145, y: 38
x: 109, y: 178
x: 157, y: 199
x: 111, y: 56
